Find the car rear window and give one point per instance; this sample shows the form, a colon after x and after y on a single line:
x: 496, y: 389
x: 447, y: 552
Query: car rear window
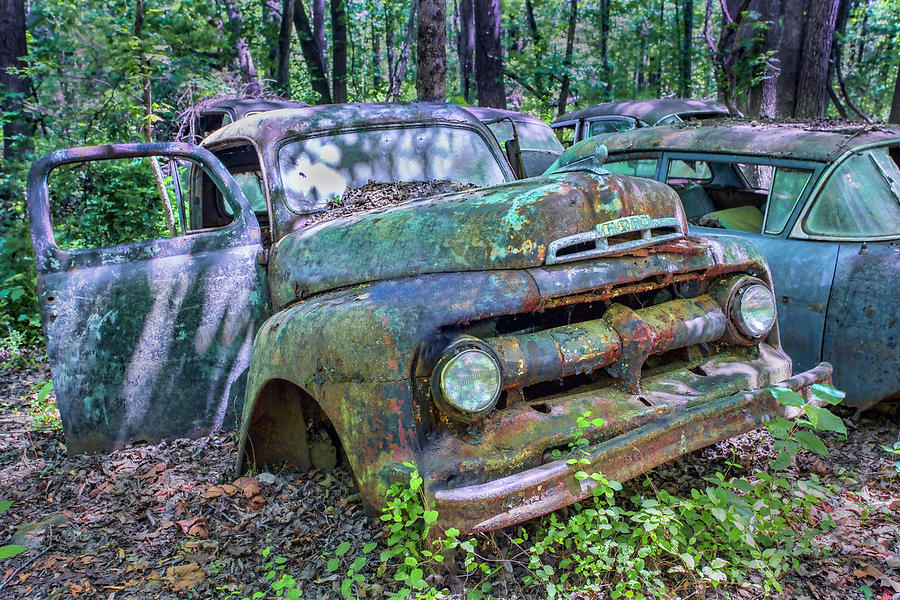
x: 860, y: 199
x: 316, y: 171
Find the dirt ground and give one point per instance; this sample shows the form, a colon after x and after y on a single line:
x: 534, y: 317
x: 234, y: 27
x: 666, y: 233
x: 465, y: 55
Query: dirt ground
x: 174, y: 521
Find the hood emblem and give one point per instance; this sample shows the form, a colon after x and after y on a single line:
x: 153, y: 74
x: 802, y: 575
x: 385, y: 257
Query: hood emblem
x: 624, y: 225
x: 614, y: 237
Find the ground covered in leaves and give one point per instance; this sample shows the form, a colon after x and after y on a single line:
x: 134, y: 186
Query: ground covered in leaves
x: 175, y: 521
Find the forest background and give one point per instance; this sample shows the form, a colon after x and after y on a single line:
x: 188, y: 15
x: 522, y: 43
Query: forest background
x: 76, y: 72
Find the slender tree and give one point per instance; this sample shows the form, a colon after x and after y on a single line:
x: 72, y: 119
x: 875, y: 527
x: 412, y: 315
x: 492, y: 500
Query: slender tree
x: 283, y: 54
x: 271, y: 29
x: 812, y: 95
x: 242, y: 48
x: 148, y: 115
x: 489, y: 54
x: 13, y: 86
x: 895, y: 104
x: 686, y: 46
x: 311, y: 53
x: 399, y: 71
x: 567, y: 63
x: 338, y: 50
x: 465, y: 47
x: 431, y: 51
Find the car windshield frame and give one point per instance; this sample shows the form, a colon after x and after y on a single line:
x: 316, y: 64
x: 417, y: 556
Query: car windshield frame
x: 483, y: 132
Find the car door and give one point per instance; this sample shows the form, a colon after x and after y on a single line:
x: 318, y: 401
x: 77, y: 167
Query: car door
x: 150, y: 339
x: 857, y: 211
x: 802, y: 273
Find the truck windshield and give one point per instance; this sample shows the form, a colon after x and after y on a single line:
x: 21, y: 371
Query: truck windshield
x: 316, y: 171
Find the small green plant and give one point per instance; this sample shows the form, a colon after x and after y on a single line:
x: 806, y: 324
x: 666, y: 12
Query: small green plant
x: 9, y: 550
x: 790, y: 436
x: 42, y: 408
x: 15, y: 350
x: 352, y: 568
x: 409, y: 523
x: 894, y: 452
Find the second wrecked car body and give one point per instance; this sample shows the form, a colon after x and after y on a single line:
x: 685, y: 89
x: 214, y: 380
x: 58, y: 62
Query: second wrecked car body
x: 466, y: 332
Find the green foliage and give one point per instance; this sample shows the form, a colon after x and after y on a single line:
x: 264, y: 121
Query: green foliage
x: 9, y: 550
x: 894, y: 452
x: 647, y: 546
x: 43, y: 409
x: 409, y: 522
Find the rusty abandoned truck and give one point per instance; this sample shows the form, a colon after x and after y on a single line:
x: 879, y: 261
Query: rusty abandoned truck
x: 464, y: 332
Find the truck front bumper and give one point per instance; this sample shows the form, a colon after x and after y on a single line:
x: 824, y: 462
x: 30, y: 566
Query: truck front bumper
x: 542, y: 489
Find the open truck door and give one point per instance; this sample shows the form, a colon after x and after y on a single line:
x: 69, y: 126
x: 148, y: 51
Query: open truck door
x: 148, y: 339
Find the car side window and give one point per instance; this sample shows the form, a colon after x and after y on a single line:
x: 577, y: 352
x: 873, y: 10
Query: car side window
x: 787, y: 187
x: 635, y: 167
x: 251, y: 183
x: 860, y: 199
x: 565, y: 134
x: 242, y: 163
x: 97, y: 204
x: 737, y: 195
x: 609, y: 126
x: 694, y: 170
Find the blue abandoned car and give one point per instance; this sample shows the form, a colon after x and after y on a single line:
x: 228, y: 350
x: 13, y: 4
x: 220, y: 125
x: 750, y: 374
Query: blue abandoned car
x: 608, y: 117
x: 823, y: 203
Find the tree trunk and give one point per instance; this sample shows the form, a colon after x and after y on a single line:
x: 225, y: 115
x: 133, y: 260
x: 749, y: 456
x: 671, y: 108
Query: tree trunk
x: 895, y: 104
x: 317, y: 14
x: 532, y: 23
x: 242, y: 48
x: 567, y: 64
x: 389, y: 44
x: 283, y: 68
x: 376, y: 55
x: 339, y: 50
x: 272, y: 12
x: 762, y: 96
x: 311, y: 53
x: 789, y: 47
x: 687, y: 47
x: 812, y: 97
x: 431, y: 51
x: 465, y: 47
x: 13, y: 87
x: 489, y: 54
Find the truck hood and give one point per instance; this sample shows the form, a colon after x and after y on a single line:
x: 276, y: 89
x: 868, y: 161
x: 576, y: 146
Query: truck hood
x: 508, y: 226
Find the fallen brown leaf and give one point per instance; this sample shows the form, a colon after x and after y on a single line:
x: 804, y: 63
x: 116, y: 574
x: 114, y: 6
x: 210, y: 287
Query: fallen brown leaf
x: 196, y: 526
x: 185, y: 576
x: 249, y: 486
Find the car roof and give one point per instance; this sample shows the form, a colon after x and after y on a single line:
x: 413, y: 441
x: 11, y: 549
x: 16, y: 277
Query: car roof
x: 243, y: 106
x: 648, y: 111
x: 819, y: 141
x: 271, y: 126
x: 485, y: 113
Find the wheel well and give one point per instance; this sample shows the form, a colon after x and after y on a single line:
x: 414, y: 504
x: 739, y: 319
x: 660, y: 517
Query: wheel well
x: 284, y: 422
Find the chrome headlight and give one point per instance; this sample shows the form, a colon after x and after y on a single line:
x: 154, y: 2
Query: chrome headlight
x: 753, y: 310
x: 467, y: 379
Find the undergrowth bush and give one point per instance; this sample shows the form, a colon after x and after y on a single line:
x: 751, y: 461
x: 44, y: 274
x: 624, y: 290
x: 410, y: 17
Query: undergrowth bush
x: 652, y: 544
